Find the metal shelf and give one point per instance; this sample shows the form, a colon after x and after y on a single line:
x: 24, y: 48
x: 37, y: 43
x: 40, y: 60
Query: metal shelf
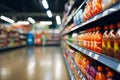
x: 104, y: 14
x: 71, y: 16
x: 76, y: 68
x: 68, y: 67
x: 11, y: 47
x: 76, y: 2
x: 106, y: 60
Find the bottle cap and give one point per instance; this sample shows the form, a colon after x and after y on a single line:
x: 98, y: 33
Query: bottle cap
x: 97, y: 28
x: 110, y: 74
x: 112, y: 26
x: 100, y: 68
x: 106, y: 27
x: 118, y: 24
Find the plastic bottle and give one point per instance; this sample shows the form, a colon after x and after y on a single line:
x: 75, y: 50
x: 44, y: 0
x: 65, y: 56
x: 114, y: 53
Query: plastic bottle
x: 88, y: 39
x: 92, y: 39
x: 110, y: 75
x: 98, y: 40
x: 96, y: 6
x: 117, y: 43
x: 91, y: 71
x: 104, y: 40
x: 100, y: 74
x: 110, y: 42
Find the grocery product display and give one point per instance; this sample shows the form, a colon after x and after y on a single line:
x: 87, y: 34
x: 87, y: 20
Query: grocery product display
x: 11, y: 37
x: 90, y: 68
x: 91, y: 39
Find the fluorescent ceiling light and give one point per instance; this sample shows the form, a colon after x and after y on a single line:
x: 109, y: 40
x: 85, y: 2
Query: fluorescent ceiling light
x: 45, y: 4
x: 49, y: 13
x: 45, y: 22
x: 58, y: 20
x: 7, y: 19
x: 23, y: 22
x: 31, y: 20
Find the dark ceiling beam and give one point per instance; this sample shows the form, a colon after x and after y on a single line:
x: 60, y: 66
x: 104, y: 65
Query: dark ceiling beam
x: 29, y: 14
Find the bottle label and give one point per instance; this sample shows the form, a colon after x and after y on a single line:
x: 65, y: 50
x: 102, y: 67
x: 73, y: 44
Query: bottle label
x: 117, y: 49
x: 110, y: 47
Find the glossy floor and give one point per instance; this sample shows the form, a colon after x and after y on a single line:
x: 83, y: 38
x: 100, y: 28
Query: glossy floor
x: 33, y: 63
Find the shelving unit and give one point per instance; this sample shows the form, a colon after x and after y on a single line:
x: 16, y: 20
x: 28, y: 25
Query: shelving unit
x: 103, y: 15
x: 68, y: 67
x: 10, y: 39
x: 76, y: 67
x: 110, y: 15
x: 108, y: 61
x: 75, y: 4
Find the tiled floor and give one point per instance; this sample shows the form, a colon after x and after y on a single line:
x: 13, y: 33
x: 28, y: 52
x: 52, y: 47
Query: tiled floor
x: 33, y: 63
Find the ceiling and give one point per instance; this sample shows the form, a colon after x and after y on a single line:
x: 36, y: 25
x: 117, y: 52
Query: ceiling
x: 21, y: 9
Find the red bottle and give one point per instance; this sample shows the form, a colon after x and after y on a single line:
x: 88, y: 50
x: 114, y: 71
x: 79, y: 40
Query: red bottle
x: 104, y: 40
x: 110, y: 75
x: 110, y: 42
x: 117, y: 43
x: 100, y: 74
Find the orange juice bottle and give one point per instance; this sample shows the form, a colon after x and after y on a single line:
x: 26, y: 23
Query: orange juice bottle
x: 92, y: 39
x: 100, y: 74
x: 96, y: 6
x: 110, y: 75
x: 98, y: 40
x: 88, y: 39
x: 80, y: 39
x: 104, y: 40
x: 110, y: 42
x: 85, y: 39
x: 117, y: 43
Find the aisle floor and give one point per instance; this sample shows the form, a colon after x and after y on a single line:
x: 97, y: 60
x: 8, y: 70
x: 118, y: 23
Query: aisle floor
x: 33, y: 63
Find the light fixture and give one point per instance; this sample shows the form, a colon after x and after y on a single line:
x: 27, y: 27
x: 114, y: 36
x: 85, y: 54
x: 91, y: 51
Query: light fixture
x: 58, y: 20
x: 31, y: 20
x: 7, y: 19
x: 45, y: 22
x: 23, y: 22
x: 45, y: 4
x: 49, y: 13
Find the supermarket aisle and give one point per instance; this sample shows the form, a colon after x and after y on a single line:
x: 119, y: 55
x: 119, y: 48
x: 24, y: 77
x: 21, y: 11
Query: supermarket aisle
x: 38, y: 63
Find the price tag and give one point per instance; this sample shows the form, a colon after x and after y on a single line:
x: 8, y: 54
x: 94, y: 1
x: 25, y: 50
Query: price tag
x: 112, y: 9
x: 105, y: 13
x: 78, y: 72
x: 85, y: 51
x: 83, y: 78
x: 81, y: 75
x: 96, y: 56
x: 74, y: 66
x: 90, y: 54
x: 79, y: 49
x: 118, y: 68
x: 76, y: 47
x: 72, y: 77
x: 95, y: 18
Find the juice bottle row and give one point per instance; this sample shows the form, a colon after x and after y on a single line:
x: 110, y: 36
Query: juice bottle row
x: 91, y: 69
x: 94, y: 70
x: 105, y: 41
x: 92, y: 8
